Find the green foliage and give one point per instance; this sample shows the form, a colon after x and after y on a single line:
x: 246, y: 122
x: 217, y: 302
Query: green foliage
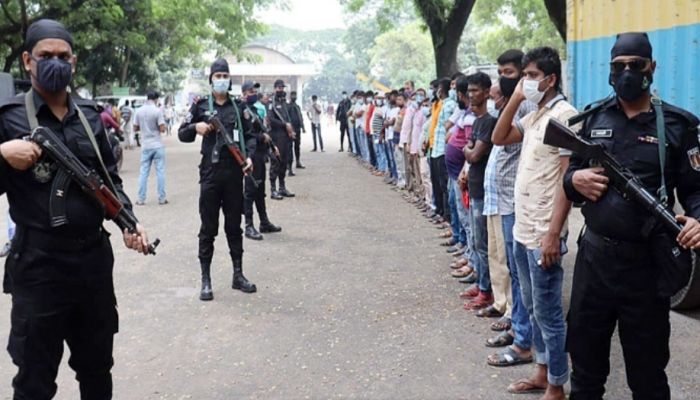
x: 403, y: 54
x: 507, y: 24
x: 137, y: 43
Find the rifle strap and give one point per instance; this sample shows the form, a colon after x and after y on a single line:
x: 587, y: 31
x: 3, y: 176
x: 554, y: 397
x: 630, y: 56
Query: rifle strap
x: 239, y: 125
x: 34, y: 123
x: 661, y: 135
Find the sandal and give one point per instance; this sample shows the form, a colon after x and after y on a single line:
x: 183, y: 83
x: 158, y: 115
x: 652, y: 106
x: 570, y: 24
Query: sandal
x: 449, y: 243
x: 508, y: 358
x: 489, y: 312
x: 503, y: 324
x: 445, y: 235
x: 462, y: 272
x: 470, y: 293
x: 503, y: 339
x: 462, y: 262
x: 524, y: 386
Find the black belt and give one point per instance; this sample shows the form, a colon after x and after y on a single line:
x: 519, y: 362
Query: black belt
x: 615, y: 246
x: 57, y: 242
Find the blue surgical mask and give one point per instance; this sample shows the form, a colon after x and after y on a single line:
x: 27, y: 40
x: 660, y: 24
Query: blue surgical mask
x: 431, y: 93
x: 426, y: 111
x: 419, y: 98
x: 220, y: 86
x: 452, y: 94
x: 252, y: 99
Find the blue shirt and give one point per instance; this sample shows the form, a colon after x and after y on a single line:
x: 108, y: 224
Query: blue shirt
x: 448, y: 108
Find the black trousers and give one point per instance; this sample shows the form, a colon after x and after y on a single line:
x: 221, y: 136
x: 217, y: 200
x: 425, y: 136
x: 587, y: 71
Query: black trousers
x: 438, y: 177
x: 56, y: 297
x: 256, y: 195
x: 221, y: 188
x: 278, y: 168
x: 316, y: 130
x: 614, y: 285
x: 372, y: 153
x: 296, y: 146
x: 344, y: 131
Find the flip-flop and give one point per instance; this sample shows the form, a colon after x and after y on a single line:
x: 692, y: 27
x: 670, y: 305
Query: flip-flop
x: 489, y: 312
x: 503, y: 324
x: 509, y: 357
x: 529, y: 387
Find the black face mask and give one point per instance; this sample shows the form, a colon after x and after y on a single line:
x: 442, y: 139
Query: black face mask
x: 508, y: 85
x: 53, y: 74
x: 630, y: 85
x: 461, y: 105
x: 252, y: 99
x: 281, y: 95
x: 293, y: 99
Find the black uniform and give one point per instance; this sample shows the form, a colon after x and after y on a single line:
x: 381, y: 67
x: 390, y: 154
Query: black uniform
x: 341, y: 116
x: 278, y: 115
x: 253, y: 128
x: 60, y: 279
x: 220, y: 177
x: 297, y: 121
x: 615, y: 275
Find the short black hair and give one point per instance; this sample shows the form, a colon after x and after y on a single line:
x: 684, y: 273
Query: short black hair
x: 434, y: 83
x: 512, y: 56
x: 479, y: 79
x: 462, y: 85
x: 369, y: 93
x: 292, y: 92
x: 152, y: 95
x: 547, y: 60
x: 402, y: 95
x: 444, y: 84
x: 314, y: 97
x: 457, y: 75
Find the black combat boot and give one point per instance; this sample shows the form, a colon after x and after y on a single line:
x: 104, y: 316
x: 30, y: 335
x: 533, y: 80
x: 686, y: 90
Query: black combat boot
x: 268, y: 227
x: 239, y: 281
x: 284, y: 192
x: 206, y: 293
x: 275, y: 195
x: 251, y: 233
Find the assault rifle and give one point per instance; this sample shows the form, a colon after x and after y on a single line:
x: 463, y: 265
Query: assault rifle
x: 621, y: 178
x: 230, y: 144
x: 87, y: 179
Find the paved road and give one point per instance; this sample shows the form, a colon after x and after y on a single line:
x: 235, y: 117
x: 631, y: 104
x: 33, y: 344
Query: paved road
x: 354, y: 301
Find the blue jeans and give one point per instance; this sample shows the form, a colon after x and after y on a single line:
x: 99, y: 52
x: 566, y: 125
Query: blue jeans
x: 380, y: 153
x: 389, y: 148
x: 541, y: 295
x: 458, y: 214
x: 362, y: 140
x: 520, y: 319
x: 148, y: 157
x: 481, y: 244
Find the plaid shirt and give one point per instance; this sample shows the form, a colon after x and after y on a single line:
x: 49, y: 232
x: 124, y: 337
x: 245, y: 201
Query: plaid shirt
x: 448, y: 107
x: 491, y: 197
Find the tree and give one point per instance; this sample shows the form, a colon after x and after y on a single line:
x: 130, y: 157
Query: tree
x: 389, y: 55
x: 444, y: 19
x: 521, y: 24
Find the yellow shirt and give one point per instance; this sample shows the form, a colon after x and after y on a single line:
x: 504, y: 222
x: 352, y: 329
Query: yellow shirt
x: 434, y: 117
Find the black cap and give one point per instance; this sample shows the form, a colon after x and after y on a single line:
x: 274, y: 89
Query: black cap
x: 46, y: 29
x: 632, y: 44
x: 247, y: 85
x: 279, y: 83
x: 220, y: 65
x: 152, y: 95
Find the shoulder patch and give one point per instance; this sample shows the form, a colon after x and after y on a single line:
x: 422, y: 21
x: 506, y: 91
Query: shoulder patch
x: 694, y: 158
x: 199, y: 100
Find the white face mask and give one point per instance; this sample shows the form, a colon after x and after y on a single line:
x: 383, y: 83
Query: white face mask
x: 531, y: 90
x: 426, y: 110
x: 491, y: 107
x: 379, y: 102
x: 220, y: 85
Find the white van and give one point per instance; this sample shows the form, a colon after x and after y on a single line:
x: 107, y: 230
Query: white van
x: 134, y: 101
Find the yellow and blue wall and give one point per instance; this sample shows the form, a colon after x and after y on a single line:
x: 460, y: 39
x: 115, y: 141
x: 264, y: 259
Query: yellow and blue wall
x: 674, y: 30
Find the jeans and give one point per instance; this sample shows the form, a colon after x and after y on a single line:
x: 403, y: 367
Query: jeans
x: 380, y: 153
x: 316, y: 130
x: 148, y: 157
x: 391, y: 162
x: 481, y: 244
x: 541, y: 295
x: 459, y: 215
x: 520, y: 320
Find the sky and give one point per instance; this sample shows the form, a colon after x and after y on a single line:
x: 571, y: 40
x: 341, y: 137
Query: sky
x: 306, y: 15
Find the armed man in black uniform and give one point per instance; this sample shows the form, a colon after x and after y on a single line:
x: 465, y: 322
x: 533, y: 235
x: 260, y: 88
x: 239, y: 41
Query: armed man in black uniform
x: 60, y: 278
x: 297, y: 120
x: 220, y: 177
x: 282, y: 133
x: 254, y: 126
x: 617, y: 275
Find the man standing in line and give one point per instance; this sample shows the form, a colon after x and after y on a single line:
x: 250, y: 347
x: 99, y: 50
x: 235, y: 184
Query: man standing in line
x: 282, y: 133
x: 127, y: 124
x: 314, y: 113
x: 220, y: 176
x: 297, y: 121
x: 341, y: 117
x: 150, y: 122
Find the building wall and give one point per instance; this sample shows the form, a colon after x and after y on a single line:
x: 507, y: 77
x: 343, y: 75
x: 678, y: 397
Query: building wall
x: 674, y: 30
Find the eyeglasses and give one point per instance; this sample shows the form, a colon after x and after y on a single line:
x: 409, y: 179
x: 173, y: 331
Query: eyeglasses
x: 636, y: 65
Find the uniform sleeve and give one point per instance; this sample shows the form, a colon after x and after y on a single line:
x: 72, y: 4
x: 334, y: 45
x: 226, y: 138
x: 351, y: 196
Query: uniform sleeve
x: 187, y: 131
x: 689, y: 173
x: 110, y: 162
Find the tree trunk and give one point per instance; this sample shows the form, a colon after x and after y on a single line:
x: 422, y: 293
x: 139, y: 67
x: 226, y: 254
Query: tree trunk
x: 557, y: 14
x: 125, y: 67
x: 446, y: 55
